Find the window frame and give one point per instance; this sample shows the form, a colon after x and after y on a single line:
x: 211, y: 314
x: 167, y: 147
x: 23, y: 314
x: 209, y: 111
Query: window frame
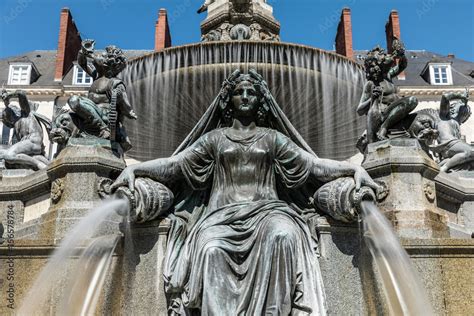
x: 29, y: 68
x: 75, y: 82
x: 433, y: 75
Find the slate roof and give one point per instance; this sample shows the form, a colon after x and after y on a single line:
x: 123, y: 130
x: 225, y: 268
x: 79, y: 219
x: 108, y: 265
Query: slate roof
x: 462, y: 70
x: 45, y: 63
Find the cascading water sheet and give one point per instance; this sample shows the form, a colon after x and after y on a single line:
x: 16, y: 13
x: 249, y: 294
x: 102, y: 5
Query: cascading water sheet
x: 170, y: 90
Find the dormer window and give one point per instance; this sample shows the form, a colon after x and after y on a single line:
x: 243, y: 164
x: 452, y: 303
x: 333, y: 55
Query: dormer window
x: 20, y: 74
x: 81, y: 77
x: 440, y: 74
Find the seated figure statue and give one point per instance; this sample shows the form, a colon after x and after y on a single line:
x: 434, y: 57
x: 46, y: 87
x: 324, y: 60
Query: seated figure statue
x: 380, y: 101
x: 452, y: 150
x: 103, y: 110
x: 28, y: 152
x: 242, y: 180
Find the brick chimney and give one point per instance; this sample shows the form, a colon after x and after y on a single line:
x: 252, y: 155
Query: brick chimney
x: 162, y: 31
x: 344, y: 35
x: 69, y: 44
x: 392, y: 28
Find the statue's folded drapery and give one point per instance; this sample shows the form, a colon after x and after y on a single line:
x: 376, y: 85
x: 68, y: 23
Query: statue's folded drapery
x: 243, y: 249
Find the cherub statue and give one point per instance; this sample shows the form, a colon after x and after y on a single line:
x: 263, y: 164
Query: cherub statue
x: 103, y: 110
x: 380, y: 101
x: 452, y: 150
x: 28, y: 152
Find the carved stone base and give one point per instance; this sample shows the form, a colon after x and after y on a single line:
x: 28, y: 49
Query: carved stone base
x: 76, y: 175
x: 409, y: 173
x: 455, y: 195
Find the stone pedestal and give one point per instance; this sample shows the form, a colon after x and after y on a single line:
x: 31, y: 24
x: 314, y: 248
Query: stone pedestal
x: 455, y: 195
x: 135, y: 285
x: 346, y: 267
x: 22, y: 193
x: 76, y: 177
x: 409, y: 173
x: 240, y: 20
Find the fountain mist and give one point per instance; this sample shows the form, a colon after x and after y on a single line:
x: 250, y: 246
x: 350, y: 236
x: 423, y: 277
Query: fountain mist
x: 92, y: 266
x: 404, y: 291
x: 171, y: 89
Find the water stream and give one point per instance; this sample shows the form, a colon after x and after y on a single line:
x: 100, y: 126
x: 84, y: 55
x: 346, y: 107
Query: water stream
x: 83, y: 292
x: 87, y: 275
x: 403, y: 289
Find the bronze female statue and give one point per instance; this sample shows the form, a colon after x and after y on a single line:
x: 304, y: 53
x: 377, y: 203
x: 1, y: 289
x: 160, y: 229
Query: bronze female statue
x: 239, y: 242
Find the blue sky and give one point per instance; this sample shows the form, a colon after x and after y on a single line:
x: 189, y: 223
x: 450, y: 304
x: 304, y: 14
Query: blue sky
x: 441, y: 26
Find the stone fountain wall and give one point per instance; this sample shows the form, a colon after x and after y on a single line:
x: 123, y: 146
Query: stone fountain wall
x: 431, y: 212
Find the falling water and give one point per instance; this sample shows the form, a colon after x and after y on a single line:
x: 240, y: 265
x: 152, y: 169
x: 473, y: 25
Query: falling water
x: 171, y: 89
x: 404, y: 291
x: 82, y: 294
x: 94, y: 260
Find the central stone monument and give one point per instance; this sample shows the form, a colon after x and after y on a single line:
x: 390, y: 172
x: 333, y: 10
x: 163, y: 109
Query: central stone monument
x: 239, y: 20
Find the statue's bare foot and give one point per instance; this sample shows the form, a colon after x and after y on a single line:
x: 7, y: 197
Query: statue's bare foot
x: 444, y: 168
x: 382, y: 134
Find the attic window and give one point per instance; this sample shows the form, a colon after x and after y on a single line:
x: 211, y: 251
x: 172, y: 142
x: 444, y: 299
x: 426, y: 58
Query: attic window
x: 440, y: 74
x: 81, y: 77
x: 20, y: 74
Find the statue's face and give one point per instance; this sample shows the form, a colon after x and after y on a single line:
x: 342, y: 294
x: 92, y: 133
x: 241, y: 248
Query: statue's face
x: 63, y: 128
x: 245, y: 100
x: 375, y: 73
x: 423, y: 128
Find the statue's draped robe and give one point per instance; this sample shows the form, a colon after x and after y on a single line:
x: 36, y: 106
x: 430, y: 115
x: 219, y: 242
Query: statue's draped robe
x: 244, y: 251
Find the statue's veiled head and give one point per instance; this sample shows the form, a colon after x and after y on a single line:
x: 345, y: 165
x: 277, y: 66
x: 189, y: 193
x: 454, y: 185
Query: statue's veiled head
x: 248, y: 96
x: 246, y: 100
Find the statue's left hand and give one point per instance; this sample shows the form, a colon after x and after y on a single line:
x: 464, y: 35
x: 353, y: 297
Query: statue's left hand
x: 362, y: 178
x: 126, y: 178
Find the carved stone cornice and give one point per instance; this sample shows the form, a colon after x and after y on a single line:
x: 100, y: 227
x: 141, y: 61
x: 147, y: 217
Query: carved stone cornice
x: 25, y: 188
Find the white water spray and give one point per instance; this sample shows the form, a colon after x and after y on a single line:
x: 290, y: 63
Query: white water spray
x: 403, y: 289
x: 96, y: 257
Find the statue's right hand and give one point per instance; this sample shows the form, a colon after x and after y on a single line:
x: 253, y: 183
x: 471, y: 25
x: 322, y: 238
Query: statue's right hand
x: 126, y: 178
x: 377, y: 91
